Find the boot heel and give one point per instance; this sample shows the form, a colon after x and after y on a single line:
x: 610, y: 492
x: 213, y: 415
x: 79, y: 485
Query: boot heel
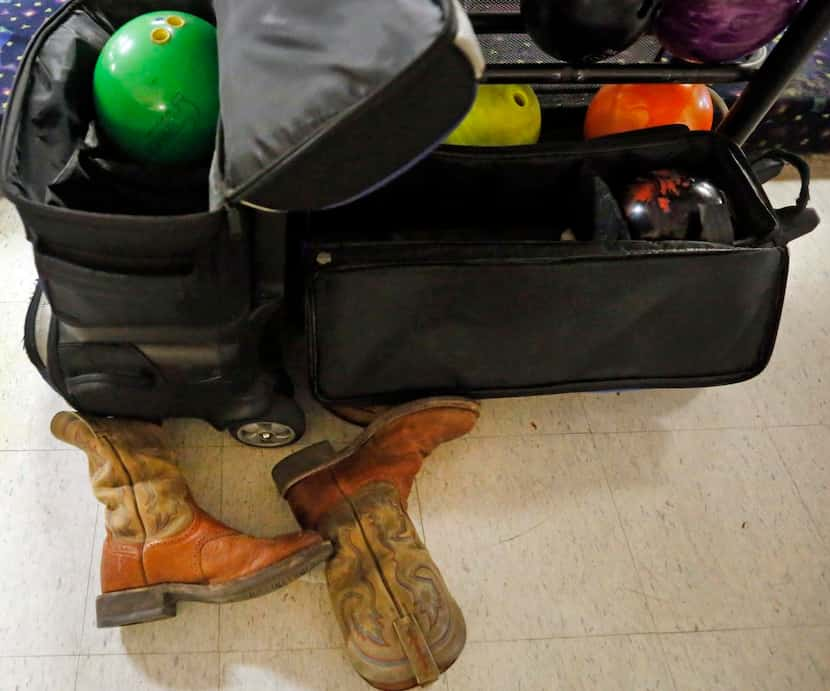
x: 298, y: 466
x: 134, y: 607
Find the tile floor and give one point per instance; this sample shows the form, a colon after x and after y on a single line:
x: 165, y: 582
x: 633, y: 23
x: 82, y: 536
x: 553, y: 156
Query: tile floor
x: 650, y: 540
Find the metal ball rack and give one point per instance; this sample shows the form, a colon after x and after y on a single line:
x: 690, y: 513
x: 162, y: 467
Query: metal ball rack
x: 765, y: 83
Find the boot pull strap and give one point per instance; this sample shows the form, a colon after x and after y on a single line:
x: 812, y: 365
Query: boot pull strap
x: 297, y: 467
x: 415, y: 647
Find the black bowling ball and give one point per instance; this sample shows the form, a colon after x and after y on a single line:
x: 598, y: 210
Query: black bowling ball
x: 586, y: 30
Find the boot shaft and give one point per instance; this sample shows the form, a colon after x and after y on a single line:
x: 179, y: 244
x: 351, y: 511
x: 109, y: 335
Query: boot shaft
x: 399, y: 621
x: 133, y: 472
x: 397, y: 454
x: 110, y: 480
x: 392, y: 450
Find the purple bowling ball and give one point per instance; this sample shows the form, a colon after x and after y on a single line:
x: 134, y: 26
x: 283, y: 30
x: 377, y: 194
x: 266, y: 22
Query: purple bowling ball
x: 721, y: 30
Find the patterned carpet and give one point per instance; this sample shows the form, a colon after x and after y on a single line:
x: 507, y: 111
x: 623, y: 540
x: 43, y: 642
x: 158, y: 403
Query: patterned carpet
x: 19, y: 20
x: 800, y: 121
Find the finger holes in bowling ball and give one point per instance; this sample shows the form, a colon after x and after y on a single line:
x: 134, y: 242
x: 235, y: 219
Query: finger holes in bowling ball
x: 520, y: 100
x: 160, y: 36
x: 176, y: 22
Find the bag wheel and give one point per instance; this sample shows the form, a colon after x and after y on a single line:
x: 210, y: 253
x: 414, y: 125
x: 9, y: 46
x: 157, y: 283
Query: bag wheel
x: 281, y: 425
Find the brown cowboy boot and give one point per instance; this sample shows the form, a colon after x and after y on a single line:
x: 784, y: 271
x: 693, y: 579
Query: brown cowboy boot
x: 161, y: 548
x: 401, y: 625
x: 360, y: 415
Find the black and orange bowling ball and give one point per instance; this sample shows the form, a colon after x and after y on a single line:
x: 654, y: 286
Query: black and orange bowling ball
x: 669, y: 205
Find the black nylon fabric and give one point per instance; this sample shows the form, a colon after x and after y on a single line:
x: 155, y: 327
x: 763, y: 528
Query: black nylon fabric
x: 537, y: 192
x: 57, y: 105
x: 514, y: 326
x: 453, y: 279
x: 321, y: 102
x: 94, y: 179
x: 290, y: 70
x: 219, y: 378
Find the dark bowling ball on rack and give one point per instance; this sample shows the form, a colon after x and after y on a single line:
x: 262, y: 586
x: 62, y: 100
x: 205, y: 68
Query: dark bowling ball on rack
x: 668, y: 205
x: 721, y: 30
x: 586, y: 30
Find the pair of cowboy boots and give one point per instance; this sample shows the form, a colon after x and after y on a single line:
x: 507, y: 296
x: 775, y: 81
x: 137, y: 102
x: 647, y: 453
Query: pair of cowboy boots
x: 401, y: 626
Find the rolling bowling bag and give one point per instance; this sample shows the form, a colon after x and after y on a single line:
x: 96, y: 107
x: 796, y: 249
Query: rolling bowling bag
x: 502, y: 272
x: 160, y: 291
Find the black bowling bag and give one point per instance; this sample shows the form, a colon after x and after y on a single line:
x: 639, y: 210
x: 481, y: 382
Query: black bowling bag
x: 161, y: 289
x: 454, y: 279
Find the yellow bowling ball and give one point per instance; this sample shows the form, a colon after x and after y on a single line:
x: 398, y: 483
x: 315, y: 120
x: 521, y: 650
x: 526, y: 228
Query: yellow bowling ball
x: 502, y: 115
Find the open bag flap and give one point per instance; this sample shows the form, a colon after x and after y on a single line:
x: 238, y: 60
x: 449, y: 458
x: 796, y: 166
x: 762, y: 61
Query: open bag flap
x: 321, y: 101
x: 324, y: 101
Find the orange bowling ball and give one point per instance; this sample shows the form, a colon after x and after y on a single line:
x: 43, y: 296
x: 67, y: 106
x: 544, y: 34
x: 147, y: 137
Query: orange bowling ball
x: 626, y: 107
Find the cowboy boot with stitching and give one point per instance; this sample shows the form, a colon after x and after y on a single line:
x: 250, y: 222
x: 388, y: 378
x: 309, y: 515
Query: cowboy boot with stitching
x: 161, y: 548
x: 401, y: 625
x: 360, y: 415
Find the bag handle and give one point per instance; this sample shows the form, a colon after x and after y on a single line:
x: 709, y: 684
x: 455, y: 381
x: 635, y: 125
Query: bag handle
x: 793, y: 221
x: 30, y: 332
x: 30, y: 343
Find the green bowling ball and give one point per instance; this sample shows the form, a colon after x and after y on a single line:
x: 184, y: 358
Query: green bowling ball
x: 156, y: 88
